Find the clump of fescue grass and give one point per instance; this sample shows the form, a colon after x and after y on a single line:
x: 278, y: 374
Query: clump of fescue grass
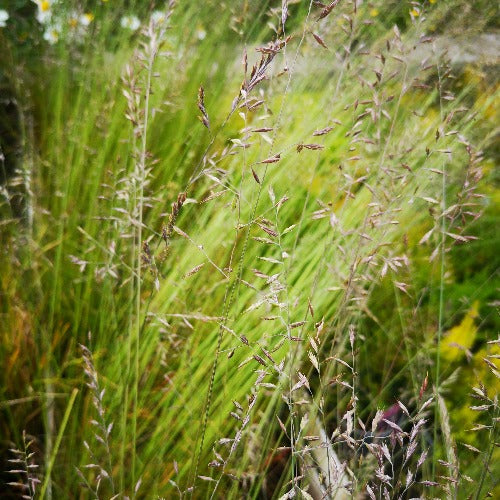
x: 226, y: 268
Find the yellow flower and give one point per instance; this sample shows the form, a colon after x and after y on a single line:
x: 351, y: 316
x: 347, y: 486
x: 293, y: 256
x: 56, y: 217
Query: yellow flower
x: 432, y: 1
x: 374, y: 12
x: 414, y: 13
x: 44, y: 5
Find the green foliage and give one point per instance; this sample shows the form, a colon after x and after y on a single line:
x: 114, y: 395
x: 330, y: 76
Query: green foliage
x: 187, y: 306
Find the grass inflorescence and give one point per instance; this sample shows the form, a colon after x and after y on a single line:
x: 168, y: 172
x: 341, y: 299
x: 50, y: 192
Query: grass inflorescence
x: 236, y: 251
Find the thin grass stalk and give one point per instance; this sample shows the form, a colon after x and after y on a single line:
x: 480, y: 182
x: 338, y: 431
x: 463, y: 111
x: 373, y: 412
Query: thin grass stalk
x: 493, y: 444
x: 47, y: 481
x: 441, y: 286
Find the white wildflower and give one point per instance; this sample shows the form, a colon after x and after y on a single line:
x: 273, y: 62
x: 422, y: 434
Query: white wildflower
x: 52, y: 35
x: 86, y: 19
x: 44, y: 13
x: 73, y: 19
x: 4, y: 16
x: 78, y: 23
x: 201, y: 34
x: 130, y: 22
x: 158, y: 17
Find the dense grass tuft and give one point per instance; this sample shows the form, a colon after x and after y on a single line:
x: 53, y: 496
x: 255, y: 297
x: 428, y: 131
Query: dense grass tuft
x: 249, y: 251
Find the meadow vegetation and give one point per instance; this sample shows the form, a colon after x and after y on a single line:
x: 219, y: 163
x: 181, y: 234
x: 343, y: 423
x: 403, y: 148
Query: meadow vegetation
x: 249, y: 250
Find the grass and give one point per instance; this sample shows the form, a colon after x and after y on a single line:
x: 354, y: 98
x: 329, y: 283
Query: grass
x: 257, y: 289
